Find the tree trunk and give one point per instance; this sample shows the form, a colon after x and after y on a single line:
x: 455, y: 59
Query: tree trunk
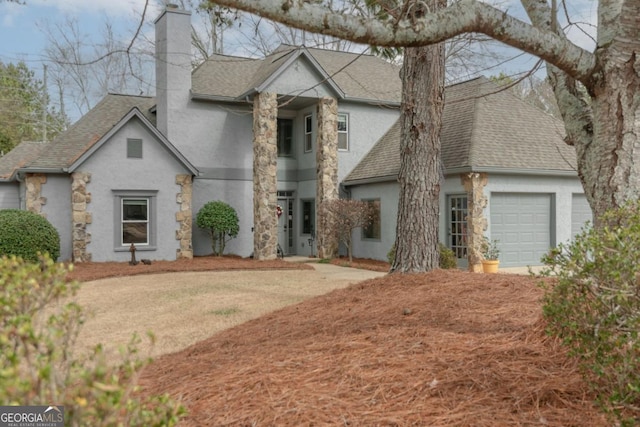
x: 610, y: 166
x: 420, y: 169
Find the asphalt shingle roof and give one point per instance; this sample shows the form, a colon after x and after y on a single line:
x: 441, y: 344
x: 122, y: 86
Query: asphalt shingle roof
x: 82, y: 135
x: 20, y: 156
x: 364, y: 77
x: 484, y: 128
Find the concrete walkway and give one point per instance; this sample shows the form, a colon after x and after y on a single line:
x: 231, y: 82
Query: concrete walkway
x: 509, y: 270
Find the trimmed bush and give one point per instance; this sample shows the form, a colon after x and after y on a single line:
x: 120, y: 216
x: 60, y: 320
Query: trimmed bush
x: 39, y: 324
x: 593, y: 305
x: 221, y: 221
x: 25, y: 234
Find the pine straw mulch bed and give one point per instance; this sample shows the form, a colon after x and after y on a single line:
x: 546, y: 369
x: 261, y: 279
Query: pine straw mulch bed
x: 446, y: 348
x: 87, y: 271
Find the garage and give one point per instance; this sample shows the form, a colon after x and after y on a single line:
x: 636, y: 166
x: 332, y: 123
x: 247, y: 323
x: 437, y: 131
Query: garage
x: 580, y: 213
x: 521, y: 222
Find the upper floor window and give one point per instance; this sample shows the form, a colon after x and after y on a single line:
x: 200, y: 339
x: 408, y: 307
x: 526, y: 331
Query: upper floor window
x: 134, y: 148
x: 285, y: 137
x: 343, y: 132
x: 308, y: 131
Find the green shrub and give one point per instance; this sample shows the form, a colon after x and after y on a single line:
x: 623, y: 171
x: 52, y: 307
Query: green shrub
x: 447, y: 256
x: 221, y: 221
x: 594, y: 306
x: 25, y: 234
x: 39, y: 323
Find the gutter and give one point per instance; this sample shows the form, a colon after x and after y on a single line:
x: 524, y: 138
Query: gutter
x: 466, y: 169
x: 216, y: 98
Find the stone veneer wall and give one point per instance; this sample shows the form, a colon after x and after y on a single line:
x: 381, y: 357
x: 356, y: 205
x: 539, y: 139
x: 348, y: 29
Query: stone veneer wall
x: 184, y: 216
x: 327, y: 174
x: 33, y: 197
x: 474, y: 184
x: 80, y: 198
x: 265, y: 181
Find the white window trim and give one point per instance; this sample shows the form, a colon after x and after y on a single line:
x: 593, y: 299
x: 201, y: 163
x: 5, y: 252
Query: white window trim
x: 308, y: 133
x: 346, y: 132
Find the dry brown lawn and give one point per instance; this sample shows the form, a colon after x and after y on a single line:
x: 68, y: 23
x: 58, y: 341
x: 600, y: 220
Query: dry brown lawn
x: 194, y: 299
x: 447, y: 348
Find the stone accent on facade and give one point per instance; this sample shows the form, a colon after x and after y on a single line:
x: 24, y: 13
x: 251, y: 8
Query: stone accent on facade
x: 80, y: 198
x: 474, y: 184
x: 184, y: 216
x: 327, y: 174
x: 265, y: 180
x: 33, y: 197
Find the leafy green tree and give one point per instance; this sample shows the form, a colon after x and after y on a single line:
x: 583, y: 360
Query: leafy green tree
x: 221, y: 221
x: 24, y: 108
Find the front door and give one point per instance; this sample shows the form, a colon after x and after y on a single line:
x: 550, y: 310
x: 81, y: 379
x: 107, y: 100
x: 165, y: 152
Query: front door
x: 285, y: 224
x: 457, y: 228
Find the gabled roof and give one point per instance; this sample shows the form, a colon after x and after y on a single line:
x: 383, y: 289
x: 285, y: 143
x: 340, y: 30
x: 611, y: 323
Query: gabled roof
x: 353, y: 76
x: 133, y: 113
x: 19, y: 157
x: 71, y: 148
x: 67, y: 147
x: 484, y: 129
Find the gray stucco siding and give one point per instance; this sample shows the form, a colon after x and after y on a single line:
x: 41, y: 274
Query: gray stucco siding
x: 366, y: 126
x: 9, y: 195
x: 387, y: 193
x: 300, y: 79
x: 57, y: 191
x: 111, y: 170
x: 237, y: 194
x: 216, y: 136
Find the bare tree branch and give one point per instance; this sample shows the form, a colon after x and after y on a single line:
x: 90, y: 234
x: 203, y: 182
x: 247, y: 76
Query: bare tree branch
x: 462, y: 17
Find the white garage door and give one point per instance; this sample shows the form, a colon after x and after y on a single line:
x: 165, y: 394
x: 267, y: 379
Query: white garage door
x: 522, y: 225
x: 580, y: 213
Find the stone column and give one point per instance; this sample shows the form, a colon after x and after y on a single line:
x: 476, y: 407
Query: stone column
x: 327, y: 175
x: 33, y: 197
x: 184, y: 216
x: 474, y: 184
x: 265, y: 181
x: 80, y: 198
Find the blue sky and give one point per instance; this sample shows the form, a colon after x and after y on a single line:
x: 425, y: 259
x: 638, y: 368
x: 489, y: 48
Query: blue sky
x: 21, y: 35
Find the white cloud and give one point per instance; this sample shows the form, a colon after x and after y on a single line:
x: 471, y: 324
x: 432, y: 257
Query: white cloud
x: 113, y: 8
x: 9, y: 12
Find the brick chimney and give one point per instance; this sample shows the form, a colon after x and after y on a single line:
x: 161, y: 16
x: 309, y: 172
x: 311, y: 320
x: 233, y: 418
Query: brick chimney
x: 173, y: 68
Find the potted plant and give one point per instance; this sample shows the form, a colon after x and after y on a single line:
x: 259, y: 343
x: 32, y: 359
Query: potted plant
x: 490, y: 255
